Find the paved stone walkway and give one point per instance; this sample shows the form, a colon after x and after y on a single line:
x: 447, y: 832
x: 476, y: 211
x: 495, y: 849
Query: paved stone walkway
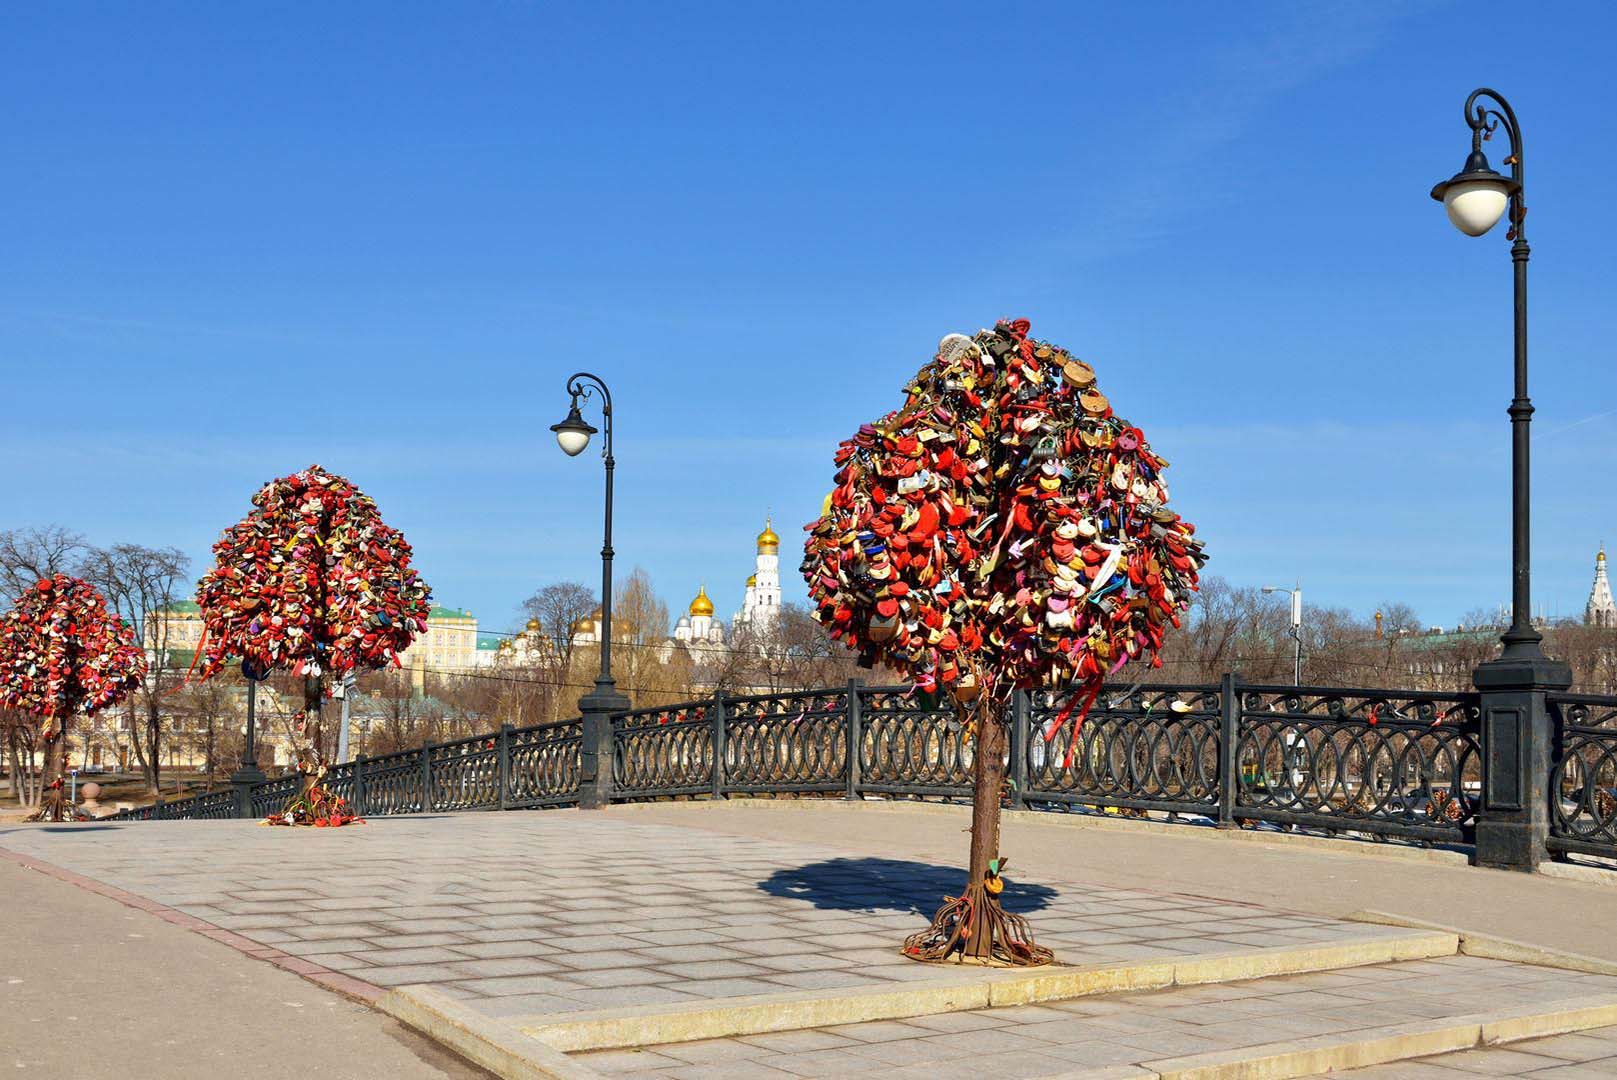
x: 558, y: 912
x: 1585, y: 1055
x: 1047, y: 1040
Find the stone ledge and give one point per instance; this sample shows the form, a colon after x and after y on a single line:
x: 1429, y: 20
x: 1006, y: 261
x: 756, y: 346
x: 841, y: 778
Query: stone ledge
x: 1495, y: 948
x: 1323, y: 1053
x: 1373, y: 1046
x: 493, y: 1044
x: 604, y: 1029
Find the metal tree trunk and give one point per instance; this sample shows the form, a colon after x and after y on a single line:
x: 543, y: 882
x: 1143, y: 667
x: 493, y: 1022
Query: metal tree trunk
x: 53, y: 800
x: 312, y: 693
x: 989, y: 771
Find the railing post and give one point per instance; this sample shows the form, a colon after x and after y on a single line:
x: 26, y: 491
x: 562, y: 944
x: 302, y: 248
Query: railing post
x: 157, y: 810
x: 1021, y: 728
x: 1229, y: 732
x: 716, y: 718
x: 426, y: 776
x: 856, y: 735
x: 358, y: 809
x: 1518, y: 739
x: 503, y: 742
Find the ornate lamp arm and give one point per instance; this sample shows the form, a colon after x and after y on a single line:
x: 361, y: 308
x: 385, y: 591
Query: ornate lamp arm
x: 1484, y: 121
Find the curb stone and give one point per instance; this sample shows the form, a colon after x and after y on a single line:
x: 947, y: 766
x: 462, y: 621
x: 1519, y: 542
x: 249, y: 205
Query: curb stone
x: 1594, y: 875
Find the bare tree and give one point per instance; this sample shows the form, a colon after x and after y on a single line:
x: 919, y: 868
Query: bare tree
x: 142, y: 584
x: 789, y: 652
x: 640, y: 643
x: 206, y: 715
x: 22, y: 743
x: 557, y: 608
x: 35, y: 552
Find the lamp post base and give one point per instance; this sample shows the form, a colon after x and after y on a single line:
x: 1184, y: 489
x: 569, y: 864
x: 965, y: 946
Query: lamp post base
x: 1518, y: 750
x: 596, y: 752
x: 242, y: 781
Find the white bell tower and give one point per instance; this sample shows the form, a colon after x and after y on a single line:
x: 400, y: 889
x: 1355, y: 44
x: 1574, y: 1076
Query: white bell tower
x: 1601, y: 609
x: 762, y: 604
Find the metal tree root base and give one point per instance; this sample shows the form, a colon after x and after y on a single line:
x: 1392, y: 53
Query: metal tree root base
x: 53, y: 807
x: 974, y: 928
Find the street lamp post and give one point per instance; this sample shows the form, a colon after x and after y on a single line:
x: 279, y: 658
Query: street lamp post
x: 598, y: 706
x: 1517, y: 737
x: 1296, y: 628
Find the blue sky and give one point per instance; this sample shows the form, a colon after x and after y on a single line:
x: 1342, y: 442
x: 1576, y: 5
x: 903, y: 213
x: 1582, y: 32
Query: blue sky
x: 247, y: 237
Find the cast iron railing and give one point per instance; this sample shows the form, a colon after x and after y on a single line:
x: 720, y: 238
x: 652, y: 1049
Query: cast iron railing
x: 1583, y: 779
x: 1388, y: 764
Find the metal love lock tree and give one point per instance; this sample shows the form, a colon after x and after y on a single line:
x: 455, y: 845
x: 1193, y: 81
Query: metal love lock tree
x: 314, y: 582
x: 62, y: 653
x: 1003, y: 530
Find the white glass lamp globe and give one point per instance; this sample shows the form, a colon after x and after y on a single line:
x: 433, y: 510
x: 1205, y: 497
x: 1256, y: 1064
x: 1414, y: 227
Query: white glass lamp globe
x: 1476, y: 196
x: 572, y: 434
x: 1475, y: 206
x: 572, y: 441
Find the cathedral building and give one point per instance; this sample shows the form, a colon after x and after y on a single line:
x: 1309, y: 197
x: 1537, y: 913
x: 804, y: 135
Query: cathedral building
x: 699, y: 631
x: 1601, y: 610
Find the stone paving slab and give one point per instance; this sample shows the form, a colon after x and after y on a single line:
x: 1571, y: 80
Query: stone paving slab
x: 564, y: 911
x: 1056, y: 1038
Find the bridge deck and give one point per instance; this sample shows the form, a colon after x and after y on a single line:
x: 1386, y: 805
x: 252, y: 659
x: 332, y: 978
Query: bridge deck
x: 561, y: 911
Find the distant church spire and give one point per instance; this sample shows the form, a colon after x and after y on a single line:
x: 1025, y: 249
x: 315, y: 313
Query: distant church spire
x: 1601, y: 610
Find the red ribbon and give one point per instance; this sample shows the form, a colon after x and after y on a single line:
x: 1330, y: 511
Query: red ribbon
x: 1077, y: 724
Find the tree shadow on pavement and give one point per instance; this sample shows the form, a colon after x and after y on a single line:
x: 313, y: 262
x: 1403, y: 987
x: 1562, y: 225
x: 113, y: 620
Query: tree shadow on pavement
x: 871, y: 884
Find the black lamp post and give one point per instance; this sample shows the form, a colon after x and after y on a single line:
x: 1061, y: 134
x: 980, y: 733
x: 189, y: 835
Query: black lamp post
x: 573, y: 435
x: 1475, y: 199
x: 1517, y: 734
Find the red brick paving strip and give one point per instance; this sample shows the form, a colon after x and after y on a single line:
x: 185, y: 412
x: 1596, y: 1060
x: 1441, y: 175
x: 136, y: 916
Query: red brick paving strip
x: 335, y: 981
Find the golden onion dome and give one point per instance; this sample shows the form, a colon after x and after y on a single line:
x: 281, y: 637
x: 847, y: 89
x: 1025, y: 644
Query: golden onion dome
x: 752, y: 579
x: 768, y: 542
x: 584, y: 626
x: 702, y: 605
x: 533, y: 624
x: 1600, y: 556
